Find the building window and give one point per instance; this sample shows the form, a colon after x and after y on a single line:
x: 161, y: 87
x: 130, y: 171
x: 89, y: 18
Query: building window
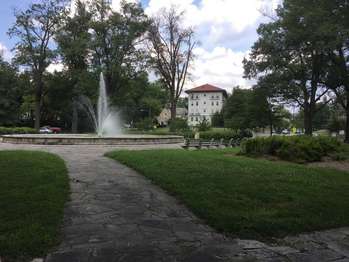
x: 204, y: 102
x: 197, y: 103
x: 204, y: 110
x: 217, y: 103
x: 204, y: 94
x: 192, y: 96
x: 196, y: 119
x: 212, y: 97
x: 197, y: 97
x: 217, y: 97
x: 212, y: 104
x: 192, y: 104
x: 192, y: 118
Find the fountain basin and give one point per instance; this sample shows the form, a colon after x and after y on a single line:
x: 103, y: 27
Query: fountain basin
x: 66, y: 139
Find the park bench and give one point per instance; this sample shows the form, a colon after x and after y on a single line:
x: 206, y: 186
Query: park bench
x: 201, y: 144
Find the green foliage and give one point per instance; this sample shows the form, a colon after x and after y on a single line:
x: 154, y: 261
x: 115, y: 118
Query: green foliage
x: 218, y: 119
x: 237, y: 136
x: 34, y: 188
x: 114, y: 39
x: 247, y: 197
x: 145, y: 124
x: 254, y: 108
x: 10, y: 94
x: 299, y: 51
x: 236, y: 109
x: 294, y: 148
x: 16, y: 130
x: 179, y: 124
x: 204, y: 125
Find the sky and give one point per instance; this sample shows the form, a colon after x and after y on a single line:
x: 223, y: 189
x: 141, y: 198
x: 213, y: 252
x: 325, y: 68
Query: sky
x: 225, y: 30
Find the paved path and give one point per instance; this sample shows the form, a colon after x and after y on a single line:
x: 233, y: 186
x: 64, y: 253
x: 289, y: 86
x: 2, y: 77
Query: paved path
x: 116, y: 214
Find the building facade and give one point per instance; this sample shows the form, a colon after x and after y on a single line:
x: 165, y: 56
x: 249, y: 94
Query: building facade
x: 203, y: 102
x: 165, y: 115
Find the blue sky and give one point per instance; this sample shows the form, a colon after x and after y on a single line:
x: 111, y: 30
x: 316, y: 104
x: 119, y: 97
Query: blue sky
x: 226, y: 29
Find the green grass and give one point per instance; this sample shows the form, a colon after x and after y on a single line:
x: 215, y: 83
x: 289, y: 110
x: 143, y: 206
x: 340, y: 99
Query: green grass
x: 247, y: 197
x: 33, y: 190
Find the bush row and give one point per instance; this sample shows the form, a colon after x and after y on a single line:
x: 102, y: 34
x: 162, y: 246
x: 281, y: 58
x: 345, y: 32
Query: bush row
x: 16, y: 130
x: 294, y: 148
x: 237, y: 136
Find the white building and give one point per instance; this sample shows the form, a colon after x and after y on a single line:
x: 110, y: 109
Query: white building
x: 203, y: 102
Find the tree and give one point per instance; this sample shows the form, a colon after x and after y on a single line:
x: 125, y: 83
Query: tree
x: 116, y: 43
x: 172, y: 50
x: 290, y: 57
x: 336, y: 23
x: 35, y: 28
x: 218, y: 119
x: 10, y: 94
x: 236, y: 109
x: 73, y: 39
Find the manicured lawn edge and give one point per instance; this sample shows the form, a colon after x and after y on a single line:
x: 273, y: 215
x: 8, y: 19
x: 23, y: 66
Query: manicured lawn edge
x: 34, y: 187
x: 248, y: 198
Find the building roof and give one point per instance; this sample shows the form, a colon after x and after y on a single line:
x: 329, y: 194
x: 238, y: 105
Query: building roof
x: 206, y: 88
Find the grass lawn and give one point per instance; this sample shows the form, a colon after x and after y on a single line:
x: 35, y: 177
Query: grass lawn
x: 247, y: 197
x: 33, y: 189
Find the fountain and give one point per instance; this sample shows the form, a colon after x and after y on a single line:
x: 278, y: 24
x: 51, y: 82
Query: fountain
x: 107, y: 125
x: 106, y: 121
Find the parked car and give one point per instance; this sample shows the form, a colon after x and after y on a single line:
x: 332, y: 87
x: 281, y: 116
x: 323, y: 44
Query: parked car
x: 285, y: 132
x: 55, y: 130
x: 50, y: 130
x: 45, y: 130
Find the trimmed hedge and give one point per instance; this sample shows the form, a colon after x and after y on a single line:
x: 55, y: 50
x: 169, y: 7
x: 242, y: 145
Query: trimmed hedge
x: 237, y: 136
x: 16, y: 130
x: 293, y: 148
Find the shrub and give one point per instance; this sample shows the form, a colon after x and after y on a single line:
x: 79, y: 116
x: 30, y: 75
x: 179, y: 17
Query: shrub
x: 178, y: 124
x: 16, y: 130
x: 296, y: 148
x: 237, y: 136
x: 204, y: 125
x: 145, y: 124
x: 218, y: 119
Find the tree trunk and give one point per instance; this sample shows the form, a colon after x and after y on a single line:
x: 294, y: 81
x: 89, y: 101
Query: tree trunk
x: 308, y: 120
x: 75, y: 119
x: 346, y: 139
x: 173, y: 110
x: 37, y: 113
x: 38, y: 102
x: 271, y: 124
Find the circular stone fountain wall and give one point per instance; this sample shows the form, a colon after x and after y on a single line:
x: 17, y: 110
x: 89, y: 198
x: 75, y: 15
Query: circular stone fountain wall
x: 91, y: 140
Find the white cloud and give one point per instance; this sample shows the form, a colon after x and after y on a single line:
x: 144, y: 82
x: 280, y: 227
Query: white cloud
x: 5, y: 53
x: 222, y: 67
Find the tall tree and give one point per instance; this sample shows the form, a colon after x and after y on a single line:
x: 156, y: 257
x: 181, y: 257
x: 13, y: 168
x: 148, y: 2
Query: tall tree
x: 35, y: 28
x: 73, y: 39
x: 10, y: 94
x: 116, y: 42
x: 172, y: 49
x: 290, y: 56
x: 336, y: 23
x: 237, y: 109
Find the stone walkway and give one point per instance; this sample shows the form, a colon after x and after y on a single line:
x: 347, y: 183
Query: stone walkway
x: 116, y: 214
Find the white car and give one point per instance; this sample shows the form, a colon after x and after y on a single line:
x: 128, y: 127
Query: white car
x: 45, y: 130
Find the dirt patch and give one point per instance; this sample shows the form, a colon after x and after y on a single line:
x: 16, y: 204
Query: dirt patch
x: 339, y: 165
